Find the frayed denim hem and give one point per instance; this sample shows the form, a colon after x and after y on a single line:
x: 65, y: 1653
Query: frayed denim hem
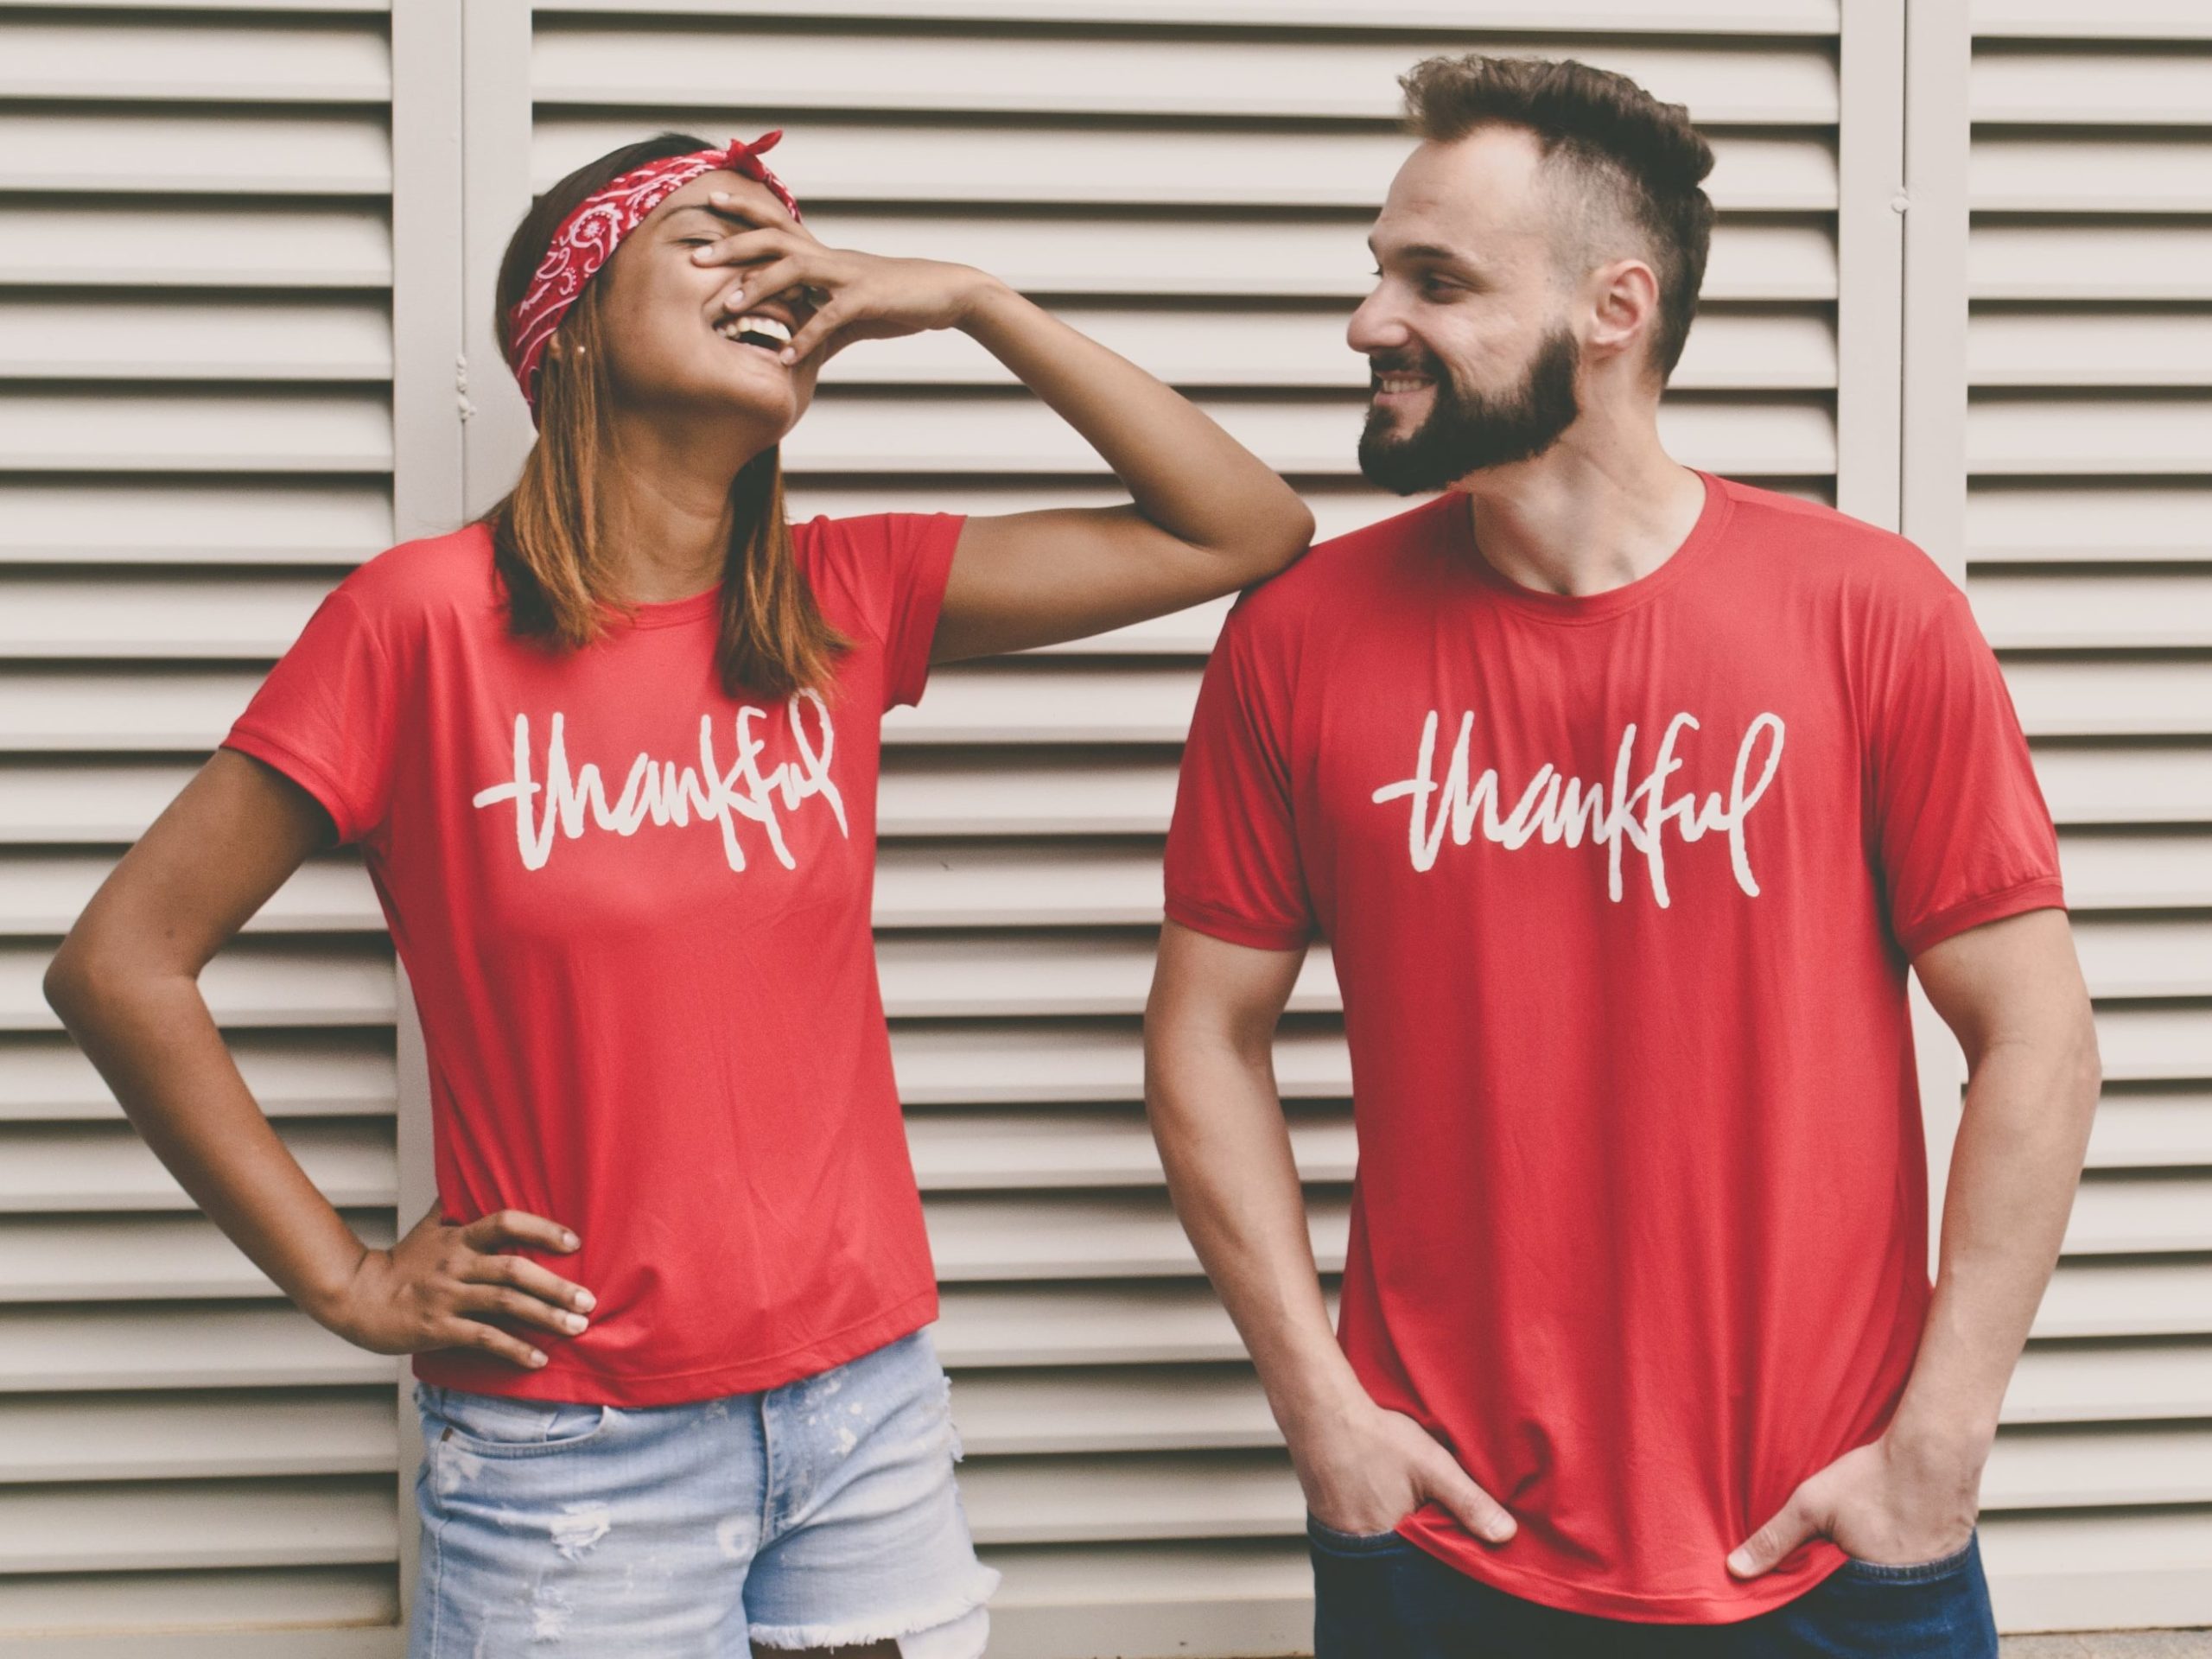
x: 954, y: 1627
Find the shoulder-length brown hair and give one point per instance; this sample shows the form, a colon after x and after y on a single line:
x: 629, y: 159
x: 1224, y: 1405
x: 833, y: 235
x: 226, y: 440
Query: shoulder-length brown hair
x: 547, y: 537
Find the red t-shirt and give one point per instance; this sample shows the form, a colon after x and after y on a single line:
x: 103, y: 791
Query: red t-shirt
x: 1621, y: 891
x: 636, y: 915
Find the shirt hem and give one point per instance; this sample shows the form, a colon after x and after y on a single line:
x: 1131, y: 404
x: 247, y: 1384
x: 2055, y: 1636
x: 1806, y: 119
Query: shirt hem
x: 580, y: 1385
x: 308, y: 774
x: 2039, y: 893
x: 1235, y: 929
x: 1761, y: 1595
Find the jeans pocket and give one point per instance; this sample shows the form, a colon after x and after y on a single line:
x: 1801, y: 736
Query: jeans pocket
x: 499, y: 1425
x: 1913, y: 1572
x: 1338, y: 1542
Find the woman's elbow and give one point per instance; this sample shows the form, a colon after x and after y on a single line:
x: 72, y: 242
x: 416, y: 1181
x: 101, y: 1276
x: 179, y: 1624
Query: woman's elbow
x: 85, y: 980
x: 1276, y: 537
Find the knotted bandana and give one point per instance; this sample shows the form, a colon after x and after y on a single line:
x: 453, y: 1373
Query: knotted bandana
x: 586, y: 239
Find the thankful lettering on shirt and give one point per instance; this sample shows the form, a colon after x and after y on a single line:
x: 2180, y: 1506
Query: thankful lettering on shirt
x: 1561, y: 808
x: 663, y: 792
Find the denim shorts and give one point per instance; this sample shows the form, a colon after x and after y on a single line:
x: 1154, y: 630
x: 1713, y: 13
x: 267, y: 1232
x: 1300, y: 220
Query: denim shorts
x: 1377, y: 1595
x: 819, y: 1514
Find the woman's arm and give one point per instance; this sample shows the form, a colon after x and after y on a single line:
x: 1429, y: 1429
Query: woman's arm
x: 1207, y: 516
x: 126, y: 984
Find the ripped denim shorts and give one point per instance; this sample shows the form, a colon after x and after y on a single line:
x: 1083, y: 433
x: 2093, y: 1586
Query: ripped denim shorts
x: 819, y: 1514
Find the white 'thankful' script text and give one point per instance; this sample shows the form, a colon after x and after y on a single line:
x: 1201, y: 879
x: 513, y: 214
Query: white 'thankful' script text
x: 1561, y: 808
x: 662, y: 792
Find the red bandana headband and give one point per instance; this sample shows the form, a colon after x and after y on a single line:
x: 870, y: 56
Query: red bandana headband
x: 586, y: 239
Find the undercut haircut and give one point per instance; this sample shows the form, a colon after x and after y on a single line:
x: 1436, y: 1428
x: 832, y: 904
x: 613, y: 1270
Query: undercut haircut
x: 1632, y: 161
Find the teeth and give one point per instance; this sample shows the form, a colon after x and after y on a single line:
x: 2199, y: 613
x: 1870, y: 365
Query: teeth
x: 752, y: 323
x: 1400, y: 383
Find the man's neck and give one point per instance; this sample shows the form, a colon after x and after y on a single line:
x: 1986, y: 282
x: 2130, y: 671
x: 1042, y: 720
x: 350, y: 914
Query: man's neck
x: 1580, y: 519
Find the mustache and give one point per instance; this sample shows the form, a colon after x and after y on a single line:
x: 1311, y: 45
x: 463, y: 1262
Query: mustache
x: 1421, y: 363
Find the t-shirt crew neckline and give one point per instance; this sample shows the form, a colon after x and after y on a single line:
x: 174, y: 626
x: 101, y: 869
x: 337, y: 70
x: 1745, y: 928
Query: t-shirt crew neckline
x: 672, y: 612
x: 1578, y: 609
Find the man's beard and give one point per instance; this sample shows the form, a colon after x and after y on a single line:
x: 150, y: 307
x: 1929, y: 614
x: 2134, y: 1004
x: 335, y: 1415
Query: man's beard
x: 1466, y: 432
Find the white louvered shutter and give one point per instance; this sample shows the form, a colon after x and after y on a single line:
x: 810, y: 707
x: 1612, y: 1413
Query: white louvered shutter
x: 2089, y: 541
x: 1190, y: 181
x: 1198, y: 199
x: 195, y: 440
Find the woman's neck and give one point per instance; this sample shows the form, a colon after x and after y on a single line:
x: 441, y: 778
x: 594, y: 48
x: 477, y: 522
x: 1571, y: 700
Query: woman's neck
x: 664, y: 504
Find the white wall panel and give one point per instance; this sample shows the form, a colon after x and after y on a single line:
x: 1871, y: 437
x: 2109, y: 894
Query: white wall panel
x: 2088, y: 545
x: 1022, y: 801
x: 1190, y: 180
x: 196, y: 437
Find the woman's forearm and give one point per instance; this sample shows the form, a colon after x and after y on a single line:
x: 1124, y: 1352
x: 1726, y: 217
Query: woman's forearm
x: 1184, y: 471
x: 152, y: 1039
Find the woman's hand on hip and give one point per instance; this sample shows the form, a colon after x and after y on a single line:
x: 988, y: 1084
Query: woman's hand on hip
x: 441, y: 1285
x: 843, y: 296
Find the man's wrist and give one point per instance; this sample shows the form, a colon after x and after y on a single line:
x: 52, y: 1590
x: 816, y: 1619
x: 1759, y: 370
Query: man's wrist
x: 1945, y: 1442
x: 1316, y: 1396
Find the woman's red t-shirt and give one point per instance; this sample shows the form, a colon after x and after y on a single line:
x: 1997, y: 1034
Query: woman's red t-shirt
x: 636, y: 914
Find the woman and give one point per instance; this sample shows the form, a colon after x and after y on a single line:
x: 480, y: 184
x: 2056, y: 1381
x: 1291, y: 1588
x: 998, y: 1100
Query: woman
x: 611, y: 753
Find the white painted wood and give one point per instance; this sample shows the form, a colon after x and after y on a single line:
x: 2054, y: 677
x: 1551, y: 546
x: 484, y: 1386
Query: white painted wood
x: 2022, y: 392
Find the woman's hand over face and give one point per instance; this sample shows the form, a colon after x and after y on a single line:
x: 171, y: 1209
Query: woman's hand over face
x: 837, y: 295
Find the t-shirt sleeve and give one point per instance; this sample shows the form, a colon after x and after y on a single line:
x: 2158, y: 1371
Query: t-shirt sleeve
x: 1232, y: 865
x: 904, y: 561
x: 325, y: 716
x: 1962, y: 831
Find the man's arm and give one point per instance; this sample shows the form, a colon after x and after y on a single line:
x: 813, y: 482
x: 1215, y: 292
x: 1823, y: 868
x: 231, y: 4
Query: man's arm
x: 2011, y: 990
x: 1209, y: 1092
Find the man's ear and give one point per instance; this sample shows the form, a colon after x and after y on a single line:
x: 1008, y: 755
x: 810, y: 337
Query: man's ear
x: 1624, y: 303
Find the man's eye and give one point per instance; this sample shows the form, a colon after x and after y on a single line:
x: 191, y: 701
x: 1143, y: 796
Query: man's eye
x: 697, y: 241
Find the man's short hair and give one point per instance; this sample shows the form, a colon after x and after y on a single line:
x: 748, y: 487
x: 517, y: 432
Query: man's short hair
x: 1636, y: 161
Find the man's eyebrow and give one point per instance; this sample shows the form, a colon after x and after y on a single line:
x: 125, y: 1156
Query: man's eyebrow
x: 1426, y: 250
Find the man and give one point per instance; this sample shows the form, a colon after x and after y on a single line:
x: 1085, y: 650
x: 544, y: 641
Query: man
x: 1624, y: 796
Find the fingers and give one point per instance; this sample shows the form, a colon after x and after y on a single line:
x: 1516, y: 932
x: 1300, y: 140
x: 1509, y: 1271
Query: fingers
x: 775, y: 280
x: 746, y: 247
x: 527, y: 1275
x: 819, y: 330
x: 461, y: 1332
x: 487, y: 1233
x: 1791, y: 1526
x: 1442, y: 1480
x: 770, y: 208
x: 477, y: 1299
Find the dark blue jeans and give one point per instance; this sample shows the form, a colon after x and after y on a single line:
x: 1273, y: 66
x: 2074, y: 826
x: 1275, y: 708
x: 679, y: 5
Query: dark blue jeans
x: 1381, y: 1598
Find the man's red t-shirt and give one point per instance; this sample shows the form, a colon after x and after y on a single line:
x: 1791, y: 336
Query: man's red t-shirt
x: 1621, y: 891
x: 636, y: 915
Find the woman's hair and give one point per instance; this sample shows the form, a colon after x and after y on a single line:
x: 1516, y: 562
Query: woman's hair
x: 546, y: 535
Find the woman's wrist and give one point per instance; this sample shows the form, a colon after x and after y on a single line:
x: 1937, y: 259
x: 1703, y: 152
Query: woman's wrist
x: 327, y: 1295
x: 986, y: 303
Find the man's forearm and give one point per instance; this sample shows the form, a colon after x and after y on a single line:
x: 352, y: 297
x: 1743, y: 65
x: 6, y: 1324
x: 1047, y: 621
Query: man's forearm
x: 1218, y: 1119
x: 2014, y: 1168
